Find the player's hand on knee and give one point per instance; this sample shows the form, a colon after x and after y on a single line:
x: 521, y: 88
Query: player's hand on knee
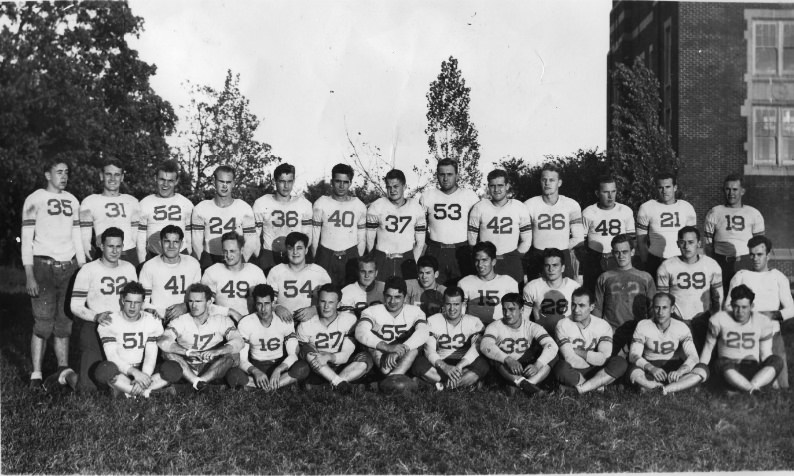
x: 658, y: 374
x: 401, y: 349
x: 674, y: 376
x: 513, y: 366
x: 275, y: 380
x: 140, y: 378
x: 260, y: 379
x: 531, y: 370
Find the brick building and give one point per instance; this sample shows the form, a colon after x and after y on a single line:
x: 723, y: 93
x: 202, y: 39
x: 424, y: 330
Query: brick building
x: 726, y: 74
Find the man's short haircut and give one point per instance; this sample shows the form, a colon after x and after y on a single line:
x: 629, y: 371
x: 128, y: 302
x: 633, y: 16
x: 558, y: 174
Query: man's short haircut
x: 395, y: 282
x: 294, y: 237
x: 454, y: 291
x: 495, y: 174
x: 553, y: 253
x: 112, y: 232
x: 343, y: 169
x: 734, y: 178
x: 551, y: 167
x: 583, y: 291
x: 368, y: 258
x: 132, y: 287
x: 604, y: 179
x: 742, y: 292
x: 282, y: 169
x: 427, y: 261
x: 173, y: 230
x: 760, y: 240
x: 111, y: 160
x: 395, y: 174
x: 199, y: 288
x: 623, y: 238
x: 263, y: 290
x: 485, y: 246
x: 50, y: 164
x: 688, y: 229
x: 514, y: 298
x: 664, y: 175
x: 226, y: 169
x: 661, y: 294
x: 330, y: 288
x: 233, y: 236
x: 168, y: 166
x: 446, y: 161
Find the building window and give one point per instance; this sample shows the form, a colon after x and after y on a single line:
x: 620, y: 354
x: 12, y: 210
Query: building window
x: 773, y: 131
x: 774, y: 47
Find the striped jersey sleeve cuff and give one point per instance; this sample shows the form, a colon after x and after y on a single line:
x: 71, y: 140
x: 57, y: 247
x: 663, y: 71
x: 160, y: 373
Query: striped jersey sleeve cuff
x: 28, y: 222
x: 106, y: 340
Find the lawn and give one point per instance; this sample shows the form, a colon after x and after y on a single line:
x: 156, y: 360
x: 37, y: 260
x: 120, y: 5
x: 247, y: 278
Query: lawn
x: 296, y: 431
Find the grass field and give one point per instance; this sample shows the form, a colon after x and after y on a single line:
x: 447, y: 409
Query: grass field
x: 323, y: 432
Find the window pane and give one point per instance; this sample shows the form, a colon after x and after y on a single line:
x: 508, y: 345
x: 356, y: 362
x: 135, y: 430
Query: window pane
x: 765, y: 122
x: 788, y: 47
x: 787, y: 135
x: 766, y: 48
x: 765, y: 149
x: 787, y: 150
x: 765, y: 34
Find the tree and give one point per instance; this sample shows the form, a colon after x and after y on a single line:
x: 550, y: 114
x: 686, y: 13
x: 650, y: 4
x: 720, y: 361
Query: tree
x: 639, y: 147
x: 72, y: 89
x: 321, y: 187
x: 218, y: 128
x: 450, y: 132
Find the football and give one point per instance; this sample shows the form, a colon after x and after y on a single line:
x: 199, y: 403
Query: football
x: 396, y: 384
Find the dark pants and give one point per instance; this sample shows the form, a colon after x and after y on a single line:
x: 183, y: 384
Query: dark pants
x: 729, y: 266
x: 454, y: 261
x: 511, y: 264
x: 402, y: 265
x: 342, y: 266
x: 90, y: 357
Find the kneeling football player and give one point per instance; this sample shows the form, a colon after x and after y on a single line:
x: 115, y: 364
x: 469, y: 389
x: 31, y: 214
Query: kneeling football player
x: 522, y: 350
x: 451, y: 359
x: 654, y: 347
x: 585, y: 341
x: 393, y: 332
x: 202, y: 344
x: 327, y: 346
x: 269, y: 358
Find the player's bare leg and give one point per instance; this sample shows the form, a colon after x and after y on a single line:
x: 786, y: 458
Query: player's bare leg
x: 37, y: 348
x: 61, y: 347
x: 763, y: 377
x: 217, y: 369
x: 468, y: 379
x: 187, y: 371
x: 600, y: 379
x: 404, y: 363
x: 353, y: 371
x: 124, y: 384
x: 517, y: 379
x: 737, y: 380
x: 638, y: 378
x: 686, y: 382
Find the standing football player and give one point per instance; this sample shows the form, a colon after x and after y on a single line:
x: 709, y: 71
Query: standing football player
x: 162, y: 208
x: 425, y: 291
x: 224, y: 213
x: 549, y: 296
x: 447, y: 208
x: 504, y: 222
x: 232, y: 280
x: 482, y: 292
x: 111, y: 208
x: 658, y: 222
x: 279, y: 214
x: 52, y: 250
x: 339, y: 234
x: 297, y: 281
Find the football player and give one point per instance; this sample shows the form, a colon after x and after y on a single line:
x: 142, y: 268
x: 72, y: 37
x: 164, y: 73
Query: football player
x: 695, y: 281
x: 162, y: 208
x: 774, y: 295
x: 555, y: 220
x: 654, y: 358
x: 396, y: 228
x: 200, y: 346
x: 451, y: 359
x: 269, y: 357
x: 425, y: 291
x: 367, y: 290
x: 279, y: 214
x: 602, y: 222
x: 296, y: 282
x: 326, y: 343
x: 52, y: 250
x: 394, y: 331
x: 447, y: 208
x: 111, y: 208
x: 224, y: 213
x: 483, y: 291
x: 339, y: 234
x: 744, y: 344
x: 522, y: 350
x: 728, y: 227
x: 232, y: 280
x: 658, y: 222
x: 623, y: 295
x: 585, y: 341
x: 549, y: 296
x: 503, y: 221
x: 95, y: 297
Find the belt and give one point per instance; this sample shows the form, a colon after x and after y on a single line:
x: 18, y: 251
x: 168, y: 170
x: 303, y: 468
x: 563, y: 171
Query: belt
x: 393, y: 255
x: 446, y: 245
x: 339, y: 254
x: 52, y: 262
x: 602, y: 255
x: 731, y: 259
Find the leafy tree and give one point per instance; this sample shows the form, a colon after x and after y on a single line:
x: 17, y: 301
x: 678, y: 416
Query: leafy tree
x: 322, y: 187
x: 639, y: 147
x: 71, y: 88
x: 450, y: 132
x: 218, y: 128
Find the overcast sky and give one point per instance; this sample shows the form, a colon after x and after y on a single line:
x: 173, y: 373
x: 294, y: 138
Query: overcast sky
x: 314, y: 69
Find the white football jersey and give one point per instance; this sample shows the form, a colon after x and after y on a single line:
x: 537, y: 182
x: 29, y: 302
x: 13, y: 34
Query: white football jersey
x: 294, y: 289
x: 483, y: 298
x: 661, y: 223
x: 99, y: 286
x: 233, y: 288
x: 453, y: 341
x: 740, y: 341
x: 691, y: 284
x: 265, y: 343
x: 101, y: 213
x: 502, y: 226
x: 339, y: 222
x: 390, y: 328
x: 157, y: 213
x: 772, y: 291
x: 165, y: 283
x: 555, y: 226
x: 448, y: 214
x: 651, y: 343
x: 515, y: 342
x: 215, y: 221
x: 50, y: 226
x: 602, y: 225
x: 399, y: 228
x: 327, y: 338
x: 583, y: 338
x: 551, y: 304
x: 130, y: 337
x: 731, y: 228
x: 275, y: 219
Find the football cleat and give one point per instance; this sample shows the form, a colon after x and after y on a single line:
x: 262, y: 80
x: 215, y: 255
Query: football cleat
x: 528, y: 387
x: 35, y: 384
x: 52, y: 383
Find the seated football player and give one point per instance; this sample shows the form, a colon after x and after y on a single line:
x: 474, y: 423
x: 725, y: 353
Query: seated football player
x: 393, y: 332
x: 744, y: 344
x: 269, y: 355
x: 654, y: 351
x: 483, y: 291
x: 326, y: 343
x: 585, y: 341
x: 451, y: 359
x: 129, y: 340
x: 425, y: 291
x: 367, y: 290
x: 549, y: 296
x: 203, y: 343
x: 522, y: 351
